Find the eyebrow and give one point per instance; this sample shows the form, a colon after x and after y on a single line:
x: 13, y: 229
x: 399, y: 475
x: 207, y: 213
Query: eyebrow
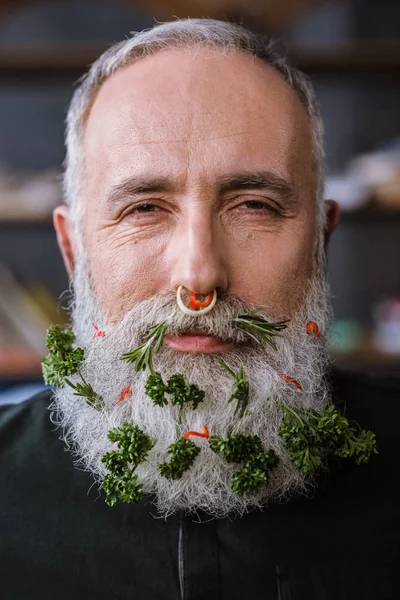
x: 240, y: 181
x: 259, y: 180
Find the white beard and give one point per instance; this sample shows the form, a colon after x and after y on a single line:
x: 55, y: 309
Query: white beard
x: 206, y: 485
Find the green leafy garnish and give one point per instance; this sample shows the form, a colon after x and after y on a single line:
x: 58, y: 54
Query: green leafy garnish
x: 62, y: 360
x: 85, y: 390
x: 240, y: 448
x: 125, y: 488
x: 240, y: 391
x: 236, y: 448
x: 360, y: 447
x: 156, y: 388
x: 182, y: 393
x: 309, y: 434
x: 183, y: 454
x: 248, y: 479
x: 134, y: 446
x: 142, y: 356
x: 259, y: 328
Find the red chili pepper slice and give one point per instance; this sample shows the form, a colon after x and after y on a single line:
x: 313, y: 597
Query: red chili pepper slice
x: 98, y: 332
x: 313, y: 328
x: 289, y: 379
x: 125, y: 393
x: 194, y: 303
x: 205, y: 433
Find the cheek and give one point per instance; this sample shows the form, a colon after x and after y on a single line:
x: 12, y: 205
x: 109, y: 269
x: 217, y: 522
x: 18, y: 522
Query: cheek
x: 124, y: 270
x: 273, y: 271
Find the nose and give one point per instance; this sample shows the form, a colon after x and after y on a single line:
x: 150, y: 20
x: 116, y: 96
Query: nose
x: 196, y: 255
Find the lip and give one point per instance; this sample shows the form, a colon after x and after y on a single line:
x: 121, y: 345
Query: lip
x: 196, y: 343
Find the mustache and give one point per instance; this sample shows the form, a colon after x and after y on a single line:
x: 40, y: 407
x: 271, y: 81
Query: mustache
x: 219, y: 322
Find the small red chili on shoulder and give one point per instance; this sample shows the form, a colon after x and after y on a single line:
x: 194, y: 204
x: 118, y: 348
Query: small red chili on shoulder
x: 125, y: 393
x: 98, y: 332
x: 195, y: 303
x: 313, y: 328
x: 205, y: 433
x: 289, y: 379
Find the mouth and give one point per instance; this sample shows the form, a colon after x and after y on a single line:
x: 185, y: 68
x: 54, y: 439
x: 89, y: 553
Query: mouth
x: 197, y: 342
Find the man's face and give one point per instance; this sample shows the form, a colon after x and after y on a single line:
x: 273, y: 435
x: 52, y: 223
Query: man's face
x: 198, y: 172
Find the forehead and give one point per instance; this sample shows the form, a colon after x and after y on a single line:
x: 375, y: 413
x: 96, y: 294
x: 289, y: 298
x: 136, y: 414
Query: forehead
x: 196, y: 112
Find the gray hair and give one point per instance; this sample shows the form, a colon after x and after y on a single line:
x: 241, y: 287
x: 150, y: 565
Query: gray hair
x: 218, y: 35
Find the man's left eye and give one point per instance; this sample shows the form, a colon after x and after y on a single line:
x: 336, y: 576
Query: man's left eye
x: 259, y: 205
x: 145, y: 208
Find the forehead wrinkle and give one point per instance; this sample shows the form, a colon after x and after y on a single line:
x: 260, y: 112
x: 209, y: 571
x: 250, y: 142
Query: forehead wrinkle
x: 188, y: 140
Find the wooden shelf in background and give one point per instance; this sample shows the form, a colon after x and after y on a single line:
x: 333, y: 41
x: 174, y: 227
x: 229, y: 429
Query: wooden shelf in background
x: 26, y: 222
x: 25, y: 61
x: 367, y: 357
x: 371, y: 214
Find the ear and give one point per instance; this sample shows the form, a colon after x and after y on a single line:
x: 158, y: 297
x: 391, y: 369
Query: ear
x: 332, y: 219
x: 65, y: 236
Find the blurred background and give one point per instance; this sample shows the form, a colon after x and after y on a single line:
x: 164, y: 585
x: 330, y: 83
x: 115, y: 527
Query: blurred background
x: 351, y: 51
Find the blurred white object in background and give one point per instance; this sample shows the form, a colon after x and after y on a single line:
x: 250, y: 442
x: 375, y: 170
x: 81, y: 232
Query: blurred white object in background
x: 387, y: 325
x: 29, y: 196
x: 349, y: 192
x: 375, y: 168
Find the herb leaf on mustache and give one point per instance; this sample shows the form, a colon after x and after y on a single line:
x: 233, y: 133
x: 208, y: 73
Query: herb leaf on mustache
x: 62, y: 360
x: 309, y: 434
x: 85, y: 390
x: 142, y: 356
x: 259, y: 328
x: 248, y: 449
x: 240, y: 391
x: 183, y: 454
x: 134, y: 446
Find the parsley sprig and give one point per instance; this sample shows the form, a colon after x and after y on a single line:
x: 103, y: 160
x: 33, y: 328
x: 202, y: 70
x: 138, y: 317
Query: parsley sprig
x: 183, y: 453
x: 121, y: 483
x: 246, y: 449
x: 259, y: 328
x: 62, y: 360
x: 241, y: 389
x: 236, y: 448
x: 156, y: 389
x: 142, y: 356
x: 181, y: 393
x: 309, y: 434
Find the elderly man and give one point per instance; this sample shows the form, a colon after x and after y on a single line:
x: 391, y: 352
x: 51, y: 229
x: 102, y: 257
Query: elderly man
x: 194, y: 388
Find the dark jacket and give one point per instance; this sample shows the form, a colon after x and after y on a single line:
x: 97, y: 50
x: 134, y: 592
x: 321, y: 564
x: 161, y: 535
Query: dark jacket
x: 60, y: 541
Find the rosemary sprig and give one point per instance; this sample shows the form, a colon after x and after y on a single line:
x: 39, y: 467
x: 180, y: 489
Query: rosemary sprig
x: 259, y: 328
x: 121, y: 483
x: 85, y: 390
x: 142, y: 356
x: 62, y: 360
x: 309, y: 434
x: 183, y: 453
x: 240, y: 391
